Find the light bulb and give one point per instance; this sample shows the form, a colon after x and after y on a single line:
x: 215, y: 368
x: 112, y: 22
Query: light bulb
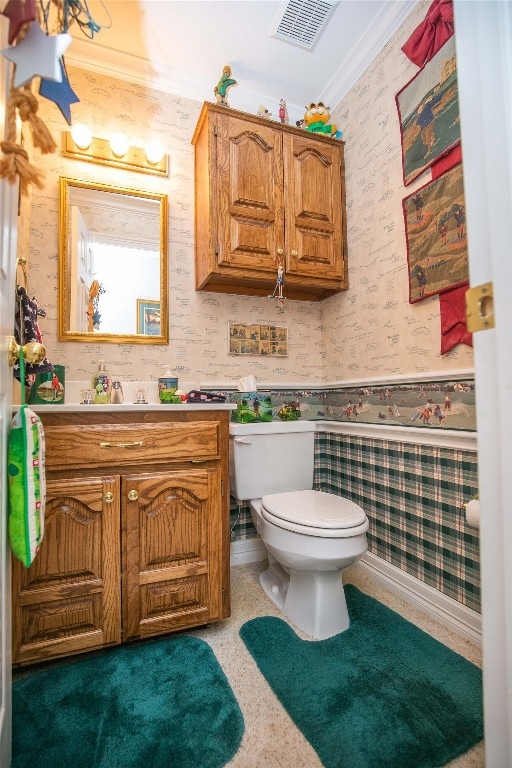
x: 154, y: 152
x: 81, y: 135
x: 119, y: 144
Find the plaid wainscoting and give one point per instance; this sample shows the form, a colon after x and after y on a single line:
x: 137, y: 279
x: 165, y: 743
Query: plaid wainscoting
x: 413, y: 497
x: 240, y: 520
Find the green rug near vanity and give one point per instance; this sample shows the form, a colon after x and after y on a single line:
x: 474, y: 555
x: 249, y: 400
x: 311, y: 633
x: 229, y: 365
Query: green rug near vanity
x: 383, y: 694
x: 163, y: 703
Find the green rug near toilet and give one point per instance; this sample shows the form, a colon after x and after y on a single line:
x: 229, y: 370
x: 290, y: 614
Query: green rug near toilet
x: 383, y: 694
x: 163, y: 703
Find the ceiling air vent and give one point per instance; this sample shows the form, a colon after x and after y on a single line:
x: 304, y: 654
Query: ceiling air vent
x: 302, y: 22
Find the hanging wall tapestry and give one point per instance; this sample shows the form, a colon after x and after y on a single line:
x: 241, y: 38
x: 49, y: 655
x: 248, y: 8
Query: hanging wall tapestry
x: 428, y: 108
x: 435, y: 231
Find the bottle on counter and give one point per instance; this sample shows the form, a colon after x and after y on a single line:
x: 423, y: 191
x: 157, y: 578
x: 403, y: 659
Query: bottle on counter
x: 167, y: 386
x: 101, y: 384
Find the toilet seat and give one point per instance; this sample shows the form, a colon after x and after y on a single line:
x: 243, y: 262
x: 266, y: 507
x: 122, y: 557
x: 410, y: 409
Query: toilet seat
x: 314, y: 513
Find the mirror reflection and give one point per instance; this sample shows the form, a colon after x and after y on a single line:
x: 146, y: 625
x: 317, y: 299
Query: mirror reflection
x: 112, y: 264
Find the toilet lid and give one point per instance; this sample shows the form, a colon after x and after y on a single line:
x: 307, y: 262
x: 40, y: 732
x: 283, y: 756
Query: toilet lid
x: 315, y: 512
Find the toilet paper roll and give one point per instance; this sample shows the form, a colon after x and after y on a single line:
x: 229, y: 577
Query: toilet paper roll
x: 473, y: 513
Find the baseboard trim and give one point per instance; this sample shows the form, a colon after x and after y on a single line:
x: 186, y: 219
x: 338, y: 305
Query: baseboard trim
x: 247, y: 551
x: 445, y: 609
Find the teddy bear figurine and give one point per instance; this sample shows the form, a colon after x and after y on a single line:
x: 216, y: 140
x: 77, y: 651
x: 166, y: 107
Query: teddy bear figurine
x: 316, y: 120
x: 263, y: 112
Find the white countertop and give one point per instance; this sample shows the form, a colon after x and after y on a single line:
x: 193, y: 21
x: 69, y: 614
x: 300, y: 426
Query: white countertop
x: 127, y: 407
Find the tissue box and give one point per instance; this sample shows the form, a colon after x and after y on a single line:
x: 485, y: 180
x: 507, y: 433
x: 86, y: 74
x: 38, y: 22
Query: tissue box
x: 251, y: 407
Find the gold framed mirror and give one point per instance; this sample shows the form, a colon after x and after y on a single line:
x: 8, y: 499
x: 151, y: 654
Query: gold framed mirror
x: 113, y: 254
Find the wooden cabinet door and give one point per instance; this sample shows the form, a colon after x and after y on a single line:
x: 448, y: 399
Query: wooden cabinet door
x: 172, y: 552
x: 247, y: 196
x: 314, y: 204
x: 68, y: 600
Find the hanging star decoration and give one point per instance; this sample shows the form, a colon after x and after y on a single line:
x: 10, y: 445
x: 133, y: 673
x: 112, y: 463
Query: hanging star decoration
x: 19, y: 13
x: 61, y: 93
x: 35, y: 52
x: 38, y: 55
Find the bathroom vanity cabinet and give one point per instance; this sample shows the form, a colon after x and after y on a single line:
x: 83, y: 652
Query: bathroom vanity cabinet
x: 267, y: 194
x: 136, y: 539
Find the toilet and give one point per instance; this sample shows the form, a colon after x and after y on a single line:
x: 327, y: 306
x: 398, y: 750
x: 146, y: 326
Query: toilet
x: 310, y: 536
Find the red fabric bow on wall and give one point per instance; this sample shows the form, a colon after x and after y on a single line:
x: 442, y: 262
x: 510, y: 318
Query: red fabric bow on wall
x: 431, y: 34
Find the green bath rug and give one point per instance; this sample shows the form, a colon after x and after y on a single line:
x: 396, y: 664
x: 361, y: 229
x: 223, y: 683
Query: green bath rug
x: 162, y: 703
x: 383, y: 694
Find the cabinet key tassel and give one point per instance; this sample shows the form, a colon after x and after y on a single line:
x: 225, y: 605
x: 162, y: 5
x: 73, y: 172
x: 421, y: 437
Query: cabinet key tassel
x: 278, y: 290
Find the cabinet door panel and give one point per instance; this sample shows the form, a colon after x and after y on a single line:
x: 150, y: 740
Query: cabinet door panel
x: 171, y: 550
x: 249, y: 195
x: 69, y: 598
x: 313, y: 183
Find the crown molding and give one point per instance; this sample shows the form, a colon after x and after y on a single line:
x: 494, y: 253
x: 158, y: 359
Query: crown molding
x: 89, y: 55
x: 364, y: 50
x: 160, y: 77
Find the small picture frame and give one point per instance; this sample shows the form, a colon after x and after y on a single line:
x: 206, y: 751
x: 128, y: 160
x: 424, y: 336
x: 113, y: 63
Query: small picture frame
x: 266, y: 340
x: 148, y: 317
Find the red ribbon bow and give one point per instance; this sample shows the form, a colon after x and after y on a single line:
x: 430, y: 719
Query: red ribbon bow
x: 431, y: 34
x: 452, y: 306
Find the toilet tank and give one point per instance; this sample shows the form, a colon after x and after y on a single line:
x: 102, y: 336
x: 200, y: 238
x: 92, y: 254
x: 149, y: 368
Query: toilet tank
x: 271, y: 457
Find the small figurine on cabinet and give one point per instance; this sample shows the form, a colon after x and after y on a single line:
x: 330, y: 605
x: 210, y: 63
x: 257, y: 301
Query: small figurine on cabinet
x: 283, y: 112
x: 263, y: 112
x: 222, y: 87
x: 316, y: 120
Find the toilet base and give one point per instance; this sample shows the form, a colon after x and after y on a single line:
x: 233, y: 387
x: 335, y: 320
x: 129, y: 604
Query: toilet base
x: 275, y: 582
x: 314, y: 601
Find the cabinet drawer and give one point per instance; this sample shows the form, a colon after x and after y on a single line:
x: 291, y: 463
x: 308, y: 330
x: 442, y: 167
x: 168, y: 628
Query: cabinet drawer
x: 96, y: 444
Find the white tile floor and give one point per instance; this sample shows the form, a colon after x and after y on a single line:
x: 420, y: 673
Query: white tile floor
x: 271, y: 739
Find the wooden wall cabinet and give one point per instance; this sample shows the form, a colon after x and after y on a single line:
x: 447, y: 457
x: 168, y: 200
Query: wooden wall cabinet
x: 267, y: 193
x: 136, y: 538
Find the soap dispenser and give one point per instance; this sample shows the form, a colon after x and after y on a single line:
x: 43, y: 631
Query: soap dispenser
x: 101, y: 383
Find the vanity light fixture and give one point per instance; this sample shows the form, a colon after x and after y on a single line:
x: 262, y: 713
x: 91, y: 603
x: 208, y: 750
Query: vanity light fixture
x: 81, y: 145
x: 154, y: 152
x: 119, y: 144
x: 81, y: 135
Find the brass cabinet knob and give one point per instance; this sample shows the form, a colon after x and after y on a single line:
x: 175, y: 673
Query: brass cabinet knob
x: 34, y: 352
x: 295, y: 253
x: 133, y: 495
x: 280, y: 251
x: 108, y: 498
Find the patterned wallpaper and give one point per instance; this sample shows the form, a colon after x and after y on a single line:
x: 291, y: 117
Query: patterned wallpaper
x: 198, y: 322
x: 373, y: 331
x: 369, y: 331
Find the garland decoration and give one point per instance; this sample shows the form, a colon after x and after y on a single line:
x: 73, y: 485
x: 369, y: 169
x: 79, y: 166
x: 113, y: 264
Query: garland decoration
x: 15, y: 163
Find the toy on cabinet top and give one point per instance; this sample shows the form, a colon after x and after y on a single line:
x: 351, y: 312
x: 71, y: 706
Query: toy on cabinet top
x: 283, y: 112
x: 263, y: 112
x: 222, y: 87
x: 316, y: 120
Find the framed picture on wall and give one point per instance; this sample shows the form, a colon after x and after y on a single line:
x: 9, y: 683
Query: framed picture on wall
x: 258, y: 339
x: 148, y: 317
x: 435, y: 229
x: 428, y: 107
